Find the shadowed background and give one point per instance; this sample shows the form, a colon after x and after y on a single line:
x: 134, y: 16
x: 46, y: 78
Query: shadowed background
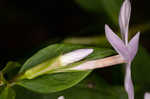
x: 29, y: 25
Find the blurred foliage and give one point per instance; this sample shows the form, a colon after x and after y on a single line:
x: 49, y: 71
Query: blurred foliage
x: 111, y: 7
x: 7, y: 93
x: 141, y: 68
x: 99, y: 40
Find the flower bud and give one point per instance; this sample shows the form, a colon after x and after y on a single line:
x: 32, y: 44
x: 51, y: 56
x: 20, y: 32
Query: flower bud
x: 74, y: 56
x: 54, y: 64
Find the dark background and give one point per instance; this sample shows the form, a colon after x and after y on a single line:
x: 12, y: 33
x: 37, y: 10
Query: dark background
x: 26, y: 24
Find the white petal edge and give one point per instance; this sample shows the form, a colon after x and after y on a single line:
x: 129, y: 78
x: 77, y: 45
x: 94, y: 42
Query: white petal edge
x: 74, y: 56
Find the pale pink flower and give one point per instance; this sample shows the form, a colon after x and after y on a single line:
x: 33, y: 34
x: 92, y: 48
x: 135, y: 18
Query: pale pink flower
x: 125, y: 49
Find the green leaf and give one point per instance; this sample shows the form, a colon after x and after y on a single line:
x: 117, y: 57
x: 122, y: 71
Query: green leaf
x: 93, y: 87
x: 10, y: 66
x: 22, y: 93
x: 141, y: 68
x: 7, y: 93
x: 56, y: 82
x: 53, y: 82
x: 89, y: 93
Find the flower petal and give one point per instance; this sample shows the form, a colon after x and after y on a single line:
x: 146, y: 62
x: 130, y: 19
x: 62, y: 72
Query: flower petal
x: 74, y: 56
x: 124, y: 18
x: 147, y: 95
x: 128, y: 82
x: 133, y: 46
x: 117, y: 43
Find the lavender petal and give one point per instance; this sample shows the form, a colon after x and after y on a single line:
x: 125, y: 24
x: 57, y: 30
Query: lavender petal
x: 128, y: 82
x: 124, y: 18
x: 147, y: 95
x: 133, y: 46
x: 116, y: 43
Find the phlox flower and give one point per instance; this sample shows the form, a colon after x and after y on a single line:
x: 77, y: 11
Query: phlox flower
x: 126, y: 49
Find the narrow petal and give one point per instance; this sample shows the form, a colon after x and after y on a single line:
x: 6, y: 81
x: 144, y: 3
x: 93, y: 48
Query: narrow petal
x: 74, y: 56
x: 124, y: 18
x: 128, y: 82
x: 116, y: 43
x: 133, y: 46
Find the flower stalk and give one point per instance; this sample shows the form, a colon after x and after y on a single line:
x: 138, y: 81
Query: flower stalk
x: 100, y: 63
